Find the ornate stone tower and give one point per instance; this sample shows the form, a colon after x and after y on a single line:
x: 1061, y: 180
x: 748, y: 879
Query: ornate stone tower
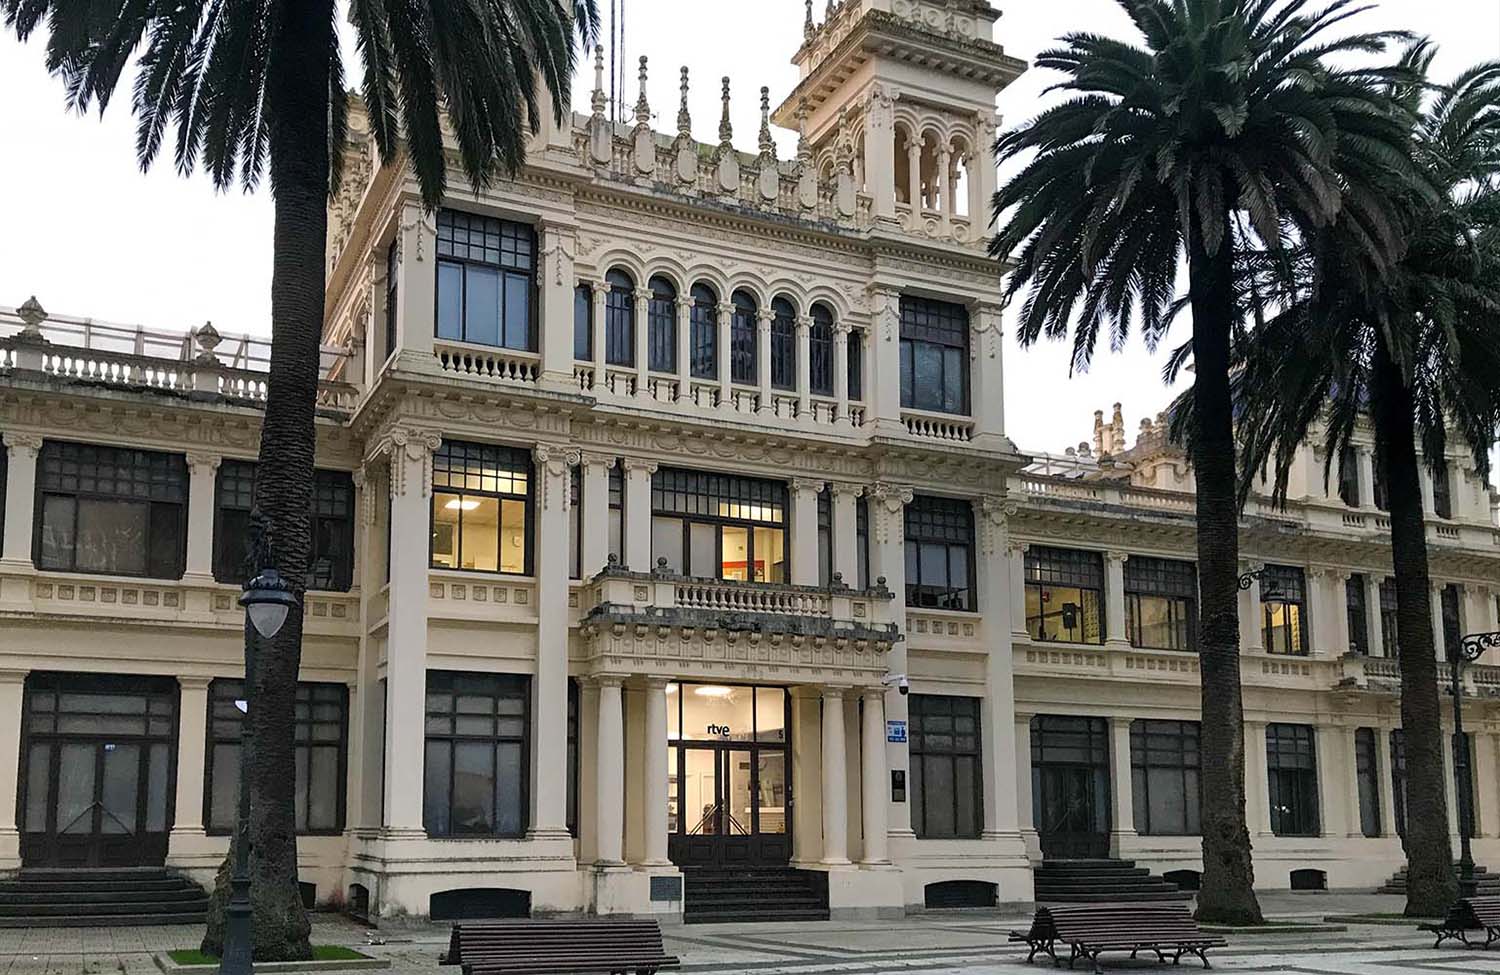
x: 897, y: 99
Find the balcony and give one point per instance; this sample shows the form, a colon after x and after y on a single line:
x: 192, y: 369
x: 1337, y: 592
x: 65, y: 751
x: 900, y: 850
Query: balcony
x: 1381, y: 675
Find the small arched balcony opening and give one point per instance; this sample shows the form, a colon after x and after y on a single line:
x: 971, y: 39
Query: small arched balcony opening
x: 742, y: 324
x: 703, y: 337
x: 661, y: 325
x: 619, y: 318
x: 820, y: 360
x: 783, y: 343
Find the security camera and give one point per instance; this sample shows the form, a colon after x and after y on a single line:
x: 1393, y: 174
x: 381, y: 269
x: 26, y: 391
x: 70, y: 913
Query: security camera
x: 900, y: 682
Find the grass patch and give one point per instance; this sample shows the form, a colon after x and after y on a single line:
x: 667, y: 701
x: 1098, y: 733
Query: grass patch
x: 195, y: 956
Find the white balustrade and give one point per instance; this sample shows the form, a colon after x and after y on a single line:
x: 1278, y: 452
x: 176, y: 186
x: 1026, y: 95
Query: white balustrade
x: 583, y: 376
x: 506, y: 365
x: 619, y: 382
x: 930, y: 426
x: 730, y: 597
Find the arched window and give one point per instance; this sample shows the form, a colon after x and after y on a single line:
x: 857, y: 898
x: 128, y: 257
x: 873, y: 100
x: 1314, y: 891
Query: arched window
x: 742, y: 339
x: 820, y: 351
x: 619, y: 319
x: 705, y: 333
x: 783, y: 344
x: 661, y: 325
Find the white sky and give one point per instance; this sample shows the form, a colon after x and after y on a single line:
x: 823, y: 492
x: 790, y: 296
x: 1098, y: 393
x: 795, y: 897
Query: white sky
x: 83, y: 229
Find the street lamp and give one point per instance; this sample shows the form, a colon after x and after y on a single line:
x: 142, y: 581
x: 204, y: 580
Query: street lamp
x: 267, y: 599
x: 1466, y: 651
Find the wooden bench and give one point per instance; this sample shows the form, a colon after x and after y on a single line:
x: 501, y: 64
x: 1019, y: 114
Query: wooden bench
x: 546, y: 947
x: 1469, y: 914
x: 1166, y: 929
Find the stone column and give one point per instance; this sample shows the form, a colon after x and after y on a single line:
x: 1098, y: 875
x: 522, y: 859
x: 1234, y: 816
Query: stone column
x: 595, y: 512
x: 1257, y: 781
x: 846, y: 531
x: 1338, y: 594
x: 997, y: 709
x: 192, y: 742
x: 1025, y: 810
x: 873, y: 777
x: 609, y: 809
x: 887, y: 506
x: 1450, y: 782
x: 1435, y: 597
x: 599, y: 296
x: 638, y: 514
x: 841, y: 372
x: 1385, y: 761
x: 1350, y: 782
x: 1122, y: 806
x: 883, y: 392
x: 806, y: 737
x: 549, y: 688
x: 1486, y: 791
x: 1372, y: 614
x: 1251, y: 638
x: 642, y: 347
x: 1335, y: 765
x: 416, y: 289
x: 367, y: 710
x: 835, y: 785
x: 804, y: 364
x: 202, y: 469
x: 1429, y: 507
x: 410, y: 454
x: 914, y: 173
x: 945, y: 188
x: 1366, y: 462
x: 763, y: 357
x: 684, y: 348
x: 20, y: 496
x: 721, y: 350
x: 12, y: 693
x: 555, y: 318
x: 1016, y: 552
x: 805, y: 531
x: 1114, y: 600
x: 987, y: 376
x: 656, y: 773
x: 880, y: 152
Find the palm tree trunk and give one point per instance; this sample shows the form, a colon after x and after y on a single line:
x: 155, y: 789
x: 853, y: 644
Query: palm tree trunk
x: 1227, y: 893
x: 1430, y: 882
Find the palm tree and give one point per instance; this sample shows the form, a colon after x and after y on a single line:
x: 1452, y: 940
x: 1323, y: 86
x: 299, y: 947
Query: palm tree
x: 1416, y: 351
x: 1218, y: 133
x: 254, y: 87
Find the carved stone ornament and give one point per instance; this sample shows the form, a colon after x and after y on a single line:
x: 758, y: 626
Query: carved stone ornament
x: 401, y: 446
x: 203, y: 463
x: 555, y: 462
x: 22, y: 445
x: 889, y: 500
x: 994, y: 514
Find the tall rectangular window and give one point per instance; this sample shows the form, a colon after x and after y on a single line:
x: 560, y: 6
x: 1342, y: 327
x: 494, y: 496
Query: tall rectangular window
x: 1452, y: 620
x: 1442, y: 491
x: 112, y: 510
x: 719, y: 526
x: 583, y: 323
x: 1388, y: 637
x: 1283, y: 603
x: 617, y: 512
x: 1357, y: 610
x: 475, y: 773
x: 485, y: 280
x: 743, y: 321
x: 481, y: 508
x: 783, y: 345
x: 1292, y: 769
x: 619, y: 319
x: 1382, y: 491
x: 704, y: 336
x: 825, y: 536
x: 319, y: 751
x: 330, y: 561
x: 392, y: 292
x: 1161, y: 603
x: 1064, y: 595
x: 934, y: 355
x: 575, y: 521
x: 862, y: 539
x: 1164, y: 766
x: 820, y: 351
x: 940, y: 553
x: 946, y: 775
x: 1398, y: 779
x: 856, y: 354
x: 1349, y: 477
x: 571, y: 813
x: 661, y: 326
x: 1367, y: 779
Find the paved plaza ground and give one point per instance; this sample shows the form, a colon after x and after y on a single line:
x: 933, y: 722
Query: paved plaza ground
x: 933, y: 944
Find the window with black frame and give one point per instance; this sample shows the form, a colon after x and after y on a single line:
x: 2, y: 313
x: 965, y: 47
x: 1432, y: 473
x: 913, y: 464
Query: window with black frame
x: 862, y: 539
x: 940, y: 553
x: 392, y: 293
x: 743, y: 321
x: 571, y: 812
x: 575, y: 521
x: 820, y: 351
x: 1465, y: 813
x: 1161, y: 603
x: 1064, y: 595
x: 1357, y: 613
x: 1283, y: 604
x: 619, y: 319
x: 719, y: 526
x: 856, y: 353
x: 330, y: 563
x: 1349, y: 477
x: 661, y: 326
x: 583, y: 323
x: 1451, y: 619
x: 783, y: 344
x: 934, y: 355
x: 1389, y: 640
x: 704, y: 336
x: 1442, y: 491
x: 1398, y: 780
x: 1367, y: 781
x: 1165, y: 786
x: 1382, y: 490
x: 485, y: 279
x: 617, y: 512
x: 111, y: 509
x: 4, y: 474
x: 1292, y: 771
x: 475, y: 770
x: 481, y: 508
x: 825, y: 536
x: 320, y: 755
x: 946, y: 773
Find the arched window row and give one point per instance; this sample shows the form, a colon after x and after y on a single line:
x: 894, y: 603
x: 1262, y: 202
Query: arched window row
x: 711, y: 320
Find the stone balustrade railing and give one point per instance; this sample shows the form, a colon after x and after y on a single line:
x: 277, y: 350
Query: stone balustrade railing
x: 938, y: 426
x: 505, y: 365
x: 731, y: 597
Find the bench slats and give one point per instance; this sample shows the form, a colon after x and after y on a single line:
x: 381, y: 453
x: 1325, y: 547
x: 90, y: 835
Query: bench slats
x: 1469, y: 914
x: 548, y: 947
x: 1166, y: 929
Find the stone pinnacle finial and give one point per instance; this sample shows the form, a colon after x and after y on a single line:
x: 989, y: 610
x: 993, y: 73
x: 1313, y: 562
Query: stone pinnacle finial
x: 684, y: 120
x: 767, y: 144
x: 642, y: 107
x: 32, y: 315
x: 804, y: 150
x: 829, y: 11
x: 599, y: 100
x: 807, y: 24
x: 726, y: 131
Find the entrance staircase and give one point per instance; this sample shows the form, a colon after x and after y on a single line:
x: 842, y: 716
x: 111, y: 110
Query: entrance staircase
x: 1101, y: 881
x: 715, y: 895
x: 86, y: 898
x: 1486, y: 884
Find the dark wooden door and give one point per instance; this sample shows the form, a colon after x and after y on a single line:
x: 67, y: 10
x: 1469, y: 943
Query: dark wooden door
x: 735, y: 805
x: 1071, y: 824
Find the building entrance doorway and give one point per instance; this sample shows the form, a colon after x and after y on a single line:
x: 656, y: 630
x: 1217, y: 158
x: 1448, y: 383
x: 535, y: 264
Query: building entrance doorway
x: 98, y: 768
x: 729, y: 796
x: 1070, y: 786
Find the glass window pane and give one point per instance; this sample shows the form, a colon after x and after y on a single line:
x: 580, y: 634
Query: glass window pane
x: 736, y: 554
x: 112, y: 536
x: 480, y: 533
x: 436, y: 816
x: 450, y: 300
x: 510, y: 787
x: 75, y: 788
x: 322, y: 798
x: 38, y: 785
x: 703, y: 550
x: 445, y: 514
x: 772, y: 791
x: 770, y: 714
x: 299, y: 789
x: 121, y: 788
x: 770, y: 555
x: 666, y: 543
x: 518, y: 312
x: 473, y: 787
x: 513, y: 535
x: 159, y: 757
x: 482, y: 305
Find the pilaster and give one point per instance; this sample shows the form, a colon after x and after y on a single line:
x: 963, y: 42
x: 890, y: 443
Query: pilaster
x: 805, y: 531
x: 12, y: 694
x: 998, y: 706
x: 202, y: 480
x: 1114, y: 600
x: 1257, y: 781
x: 642, y: 307
x: 887, y: 509
x: 873, y: 778
x: 638, y: 513
x: 846, y: 531
x: 1372, y: 615
x: 835, y: 786
x: 763, y: 357
x: 553, y: 465
x: 22, y: 450
x: 1122, y: 793
x: 1335, y: 766
x: 987, y: 373
x: 559, y: 243
x: 595, y: 502
x: 192, y: 741
x: 656, y: 774
x: 804, y: 364
x: 416, y: 289
x: 1385, y: 759
x: 884, y: 390
x: 610, y: 775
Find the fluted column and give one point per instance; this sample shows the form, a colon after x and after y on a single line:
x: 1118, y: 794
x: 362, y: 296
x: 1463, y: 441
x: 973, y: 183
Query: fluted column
x: 656, y: 773
x: 638, y: 514
x: 642, y: 333
x: 841, y: 372
x: 804, y: 364
x: 609, y: 752
x: 763, y: 357
x: 873, y: 777
x: 1114, y: 600
x: 835, y: 782
x: 599, y: 296
x: 549, y: 687
x: 684, y: 350
x: 805, y: 531
x: 595, y: 513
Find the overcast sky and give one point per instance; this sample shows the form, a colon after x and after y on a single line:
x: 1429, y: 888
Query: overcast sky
x: 83, y: 229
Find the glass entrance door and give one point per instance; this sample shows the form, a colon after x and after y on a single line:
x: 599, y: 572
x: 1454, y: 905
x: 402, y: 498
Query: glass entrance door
x: 98, y: 770
x: 1070, y: 786
x: 730, y: 797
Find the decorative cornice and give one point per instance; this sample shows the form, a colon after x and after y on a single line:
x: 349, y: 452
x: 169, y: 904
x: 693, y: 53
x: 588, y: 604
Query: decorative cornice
x: 203, y: 463
x: 22, y: 446
x: 554, y: 463
x: 403, y: 446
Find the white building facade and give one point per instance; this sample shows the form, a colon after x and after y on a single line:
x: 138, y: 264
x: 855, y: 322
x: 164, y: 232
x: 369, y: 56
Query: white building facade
x: 665, y: 525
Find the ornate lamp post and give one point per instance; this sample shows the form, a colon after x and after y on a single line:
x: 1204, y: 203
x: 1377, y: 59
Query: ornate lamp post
x: 267, y: 599
x: 1467, y: 651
